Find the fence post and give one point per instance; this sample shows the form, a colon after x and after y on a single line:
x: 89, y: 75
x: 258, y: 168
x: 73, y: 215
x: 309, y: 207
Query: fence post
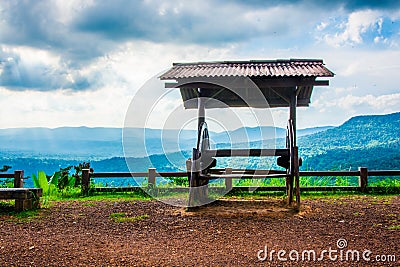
x: 189, y: 168
x: 152, y: 177
x: 228, y: 181
x: 18, y: 179
x: 363, y: 182
x: 85, y: 181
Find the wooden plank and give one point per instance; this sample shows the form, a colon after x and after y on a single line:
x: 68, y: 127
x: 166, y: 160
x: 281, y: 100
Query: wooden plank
x: 246, y: 152
x: 20, y: 193
x: 245, y: 176
x: 329, y: 173
x: 384, y: 173
x: 6, y: 175
x: 119, y: 174
x: 247, y: 188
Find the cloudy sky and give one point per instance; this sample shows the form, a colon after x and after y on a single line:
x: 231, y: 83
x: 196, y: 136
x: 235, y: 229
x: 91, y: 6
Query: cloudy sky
x: 81, y: 62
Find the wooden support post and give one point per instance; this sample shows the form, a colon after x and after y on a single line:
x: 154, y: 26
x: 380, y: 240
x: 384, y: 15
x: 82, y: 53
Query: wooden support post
x: 297, y: 176
x: 151, y: 178
x: 85, y: 181
x: 18, y: 179
x: 189, y: 168
x: 228, y: 181
x: 201, y: 114
x: 292, y: 118
x: 194, y: 181
x: 198, y: 187
x: 293, y: 115
x: 363, y: 182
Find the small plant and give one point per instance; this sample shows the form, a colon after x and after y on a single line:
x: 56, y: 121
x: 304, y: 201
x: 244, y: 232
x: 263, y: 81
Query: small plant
x: 78, y: 172
x: 121, y: 217
x: 179, y: 181
x: 66, y: 180
x: 47, y: 183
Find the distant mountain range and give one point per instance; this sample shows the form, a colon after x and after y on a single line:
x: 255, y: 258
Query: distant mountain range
x: 371, y: 141
x: 83, y: 143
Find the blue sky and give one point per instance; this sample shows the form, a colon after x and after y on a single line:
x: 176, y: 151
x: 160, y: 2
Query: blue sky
x: 73, y: 63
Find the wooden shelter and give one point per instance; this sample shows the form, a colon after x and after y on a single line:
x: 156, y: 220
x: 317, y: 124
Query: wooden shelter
x: 254, y: 84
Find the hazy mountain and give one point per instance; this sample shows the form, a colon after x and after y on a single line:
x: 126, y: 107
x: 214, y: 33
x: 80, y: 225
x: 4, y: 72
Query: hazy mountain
x: 83, y: 143
x: 371, y: 141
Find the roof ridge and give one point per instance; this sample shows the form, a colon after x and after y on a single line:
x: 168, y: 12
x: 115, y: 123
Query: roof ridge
x: 259, y: 61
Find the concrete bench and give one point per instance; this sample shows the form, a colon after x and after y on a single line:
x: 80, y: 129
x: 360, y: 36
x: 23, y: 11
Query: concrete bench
x: 25, y: 198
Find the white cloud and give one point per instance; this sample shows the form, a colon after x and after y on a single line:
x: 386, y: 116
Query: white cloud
x: 115, y: 47
x: 322, y: 26
x: 381, y: 103
x: 119, y: 75
x: 357, y: 23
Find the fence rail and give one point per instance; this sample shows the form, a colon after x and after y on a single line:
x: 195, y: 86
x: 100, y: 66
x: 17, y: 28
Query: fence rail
x: 152, y: 174
x: 362, y: 173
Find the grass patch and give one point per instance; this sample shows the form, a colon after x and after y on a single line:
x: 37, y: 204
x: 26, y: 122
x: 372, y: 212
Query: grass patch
x: 106, y: 196
x: 7, y: 210
x: 6, y: 205
x: 394, y: 227
x: 121, y: 217
x: 89, y: 204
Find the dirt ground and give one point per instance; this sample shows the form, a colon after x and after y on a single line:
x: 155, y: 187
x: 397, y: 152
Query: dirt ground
x: 232, y: 232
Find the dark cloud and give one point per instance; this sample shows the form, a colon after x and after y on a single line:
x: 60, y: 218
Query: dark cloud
x: 371, y: 4
x: 18, y: 74
x: 350, y: 5
x: 93, y: 30
x: 200, y: 22
x: 37, y: 24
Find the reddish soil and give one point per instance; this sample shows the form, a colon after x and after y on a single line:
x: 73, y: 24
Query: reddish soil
x: 225, y: 233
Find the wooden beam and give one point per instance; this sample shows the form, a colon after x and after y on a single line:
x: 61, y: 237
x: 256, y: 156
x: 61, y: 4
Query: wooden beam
x: 245, y: 176
x: 263, y: 83
x: 246, y: 152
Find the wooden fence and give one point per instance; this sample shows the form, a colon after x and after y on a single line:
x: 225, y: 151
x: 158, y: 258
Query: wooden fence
x: 362, y: 173
x: 18, y: 177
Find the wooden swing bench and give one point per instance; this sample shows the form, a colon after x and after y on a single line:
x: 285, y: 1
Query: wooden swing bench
x: 253, y: 84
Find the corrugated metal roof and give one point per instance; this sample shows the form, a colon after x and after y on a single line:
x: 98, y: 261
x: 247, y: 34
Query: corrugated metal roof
x: 252, y: 68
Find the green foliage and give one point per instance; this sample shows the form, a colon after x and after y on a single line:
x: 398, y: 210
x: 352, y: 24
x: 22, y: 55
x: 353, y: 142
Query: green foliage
x: 386, y: 182
x: 9, y: 182
x: 121, y: 217
x: 66, y: 180
x: 179, y: 181
x: 60, y: 181
x: 78, y: 172
x: 47, y: 183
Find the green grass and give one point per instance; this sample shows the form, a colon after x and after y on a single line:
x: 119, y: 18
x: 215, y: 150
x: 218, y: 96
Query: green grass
x: 121, y: 217
x: 110, y: 196
x: 394, y: 227
x: 7, y: 210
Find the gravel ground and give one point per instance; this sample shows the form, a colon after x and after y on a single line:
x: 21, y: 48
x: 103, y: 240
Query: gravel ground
x: 229, y: 232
